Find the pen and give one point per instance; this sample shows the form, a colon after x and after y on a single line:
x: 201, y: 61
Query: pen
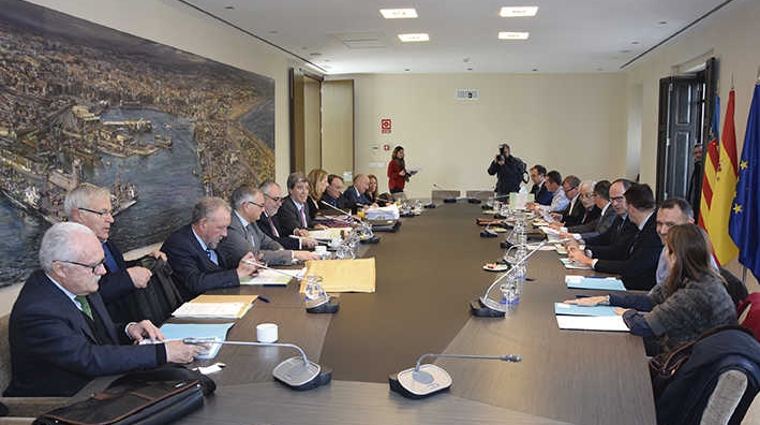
x: 265, y: 299
x: 582, y: 296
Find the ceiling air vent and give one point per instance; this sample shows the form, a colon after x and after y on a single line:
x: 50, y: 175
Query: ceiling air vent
x: 466, y: 94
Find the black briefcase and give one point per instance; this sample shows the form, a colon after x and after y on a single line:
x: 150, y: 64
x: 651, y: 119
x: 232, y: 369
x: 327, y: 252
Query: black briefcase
x: 131, y: 403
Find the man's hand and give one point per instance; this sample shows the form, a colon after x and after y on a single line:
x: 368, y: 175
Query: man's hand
x: 145, y: 329
x: 305, y: 255
x: 158, y: 255
x: 140, y: 276
x: 301, y: 232
x: 179, y: 352
x: 577, y: 255
x: 308, y: 243
x: 247, y: 266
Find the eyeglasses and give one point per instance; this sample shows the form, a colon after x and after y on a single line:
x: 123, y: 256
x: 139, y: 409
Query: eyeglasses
x: 589, y: 195
x: 617, y: 198
x: 275, y: 199
x: 100, y: 213
x: 258, y: 205
x: 93, y: 267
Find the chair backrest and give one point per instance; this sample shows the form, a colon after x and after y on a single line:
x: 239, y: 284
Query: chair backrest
x: 5, y: 353
x: 728, y: 392
x: 748, y: 313
x: 735, y: 287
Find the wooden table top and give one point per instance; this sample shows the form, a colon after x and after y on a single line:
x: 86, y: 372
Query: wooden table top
x: 427, y: 273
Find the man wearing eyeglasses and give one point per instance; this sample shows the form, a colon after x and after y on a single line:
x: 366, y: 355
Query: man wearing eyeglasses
x: 193, y: 251
x: 573, y: 213
x: 61, y: 334
x: 269, y: 222
x: 332, y: 192
x: 90, y: 205
x: 243, y: 235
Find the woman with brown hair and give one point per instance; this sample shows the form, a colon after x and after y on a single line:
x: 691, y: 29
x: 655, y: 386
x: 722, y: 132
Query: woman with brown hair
x: 397, y: 173
x: 317, y: 184
x: 691, y: 301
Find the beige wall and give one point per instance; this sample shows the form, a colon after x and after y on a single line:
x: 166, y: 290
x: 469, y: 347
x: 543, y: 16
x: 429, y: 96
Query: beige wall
x: 174, y: 24
x: 573, y: 123
x: 732, y: 36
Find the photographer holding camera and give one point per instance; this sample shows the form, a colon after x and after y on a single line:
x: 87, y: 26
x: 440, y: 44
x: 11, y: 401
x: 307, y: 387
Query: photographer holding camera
x: 509, y: 170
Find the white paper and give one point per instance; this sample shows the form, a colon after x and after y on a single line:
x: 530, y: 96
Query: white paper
x: 592, y: 323
x: 210, y: 310
x: 274, y: 277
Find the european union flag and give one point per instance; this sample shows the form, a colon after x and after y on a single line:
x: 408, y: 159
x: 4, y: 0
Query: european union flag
x: 744, y: 224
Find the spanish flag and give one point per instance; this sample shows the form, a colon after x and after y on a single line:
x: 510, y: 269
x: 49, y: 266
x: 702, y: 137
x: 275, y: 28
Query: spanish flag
x: 723, y: 191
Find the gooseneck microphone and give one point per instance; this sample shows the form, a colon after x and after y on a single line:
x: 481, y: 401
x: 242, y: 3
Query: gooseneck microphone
x: 348, y: 215
x: 319, y: 303
x: 425, y: 380
x: 447, y: 200
x: 487, y: 307
x: 298, y: 373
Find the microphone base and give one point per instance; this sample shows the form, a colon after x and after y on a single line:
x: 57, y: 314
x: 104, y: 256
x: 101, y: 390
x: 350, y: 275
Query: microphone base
x: 295, y: 375
x: 450, y: 200
x: 428, y: 381
x: 430, y: 205
x: 479, y: 309
x: 474, y: 201
x: 488, y: 234
x: 330, y: 307
x: 371, y: 241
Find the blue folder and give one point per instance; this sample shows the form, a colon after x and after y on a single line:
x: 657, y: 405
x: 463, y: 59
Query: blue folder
x: 198, y: 330
x: 561, y: 309
x: 592, y: 282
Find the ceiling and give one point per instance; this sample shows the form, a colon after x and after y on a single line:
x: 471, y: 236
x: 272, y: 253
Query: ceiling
x: 566, y: 36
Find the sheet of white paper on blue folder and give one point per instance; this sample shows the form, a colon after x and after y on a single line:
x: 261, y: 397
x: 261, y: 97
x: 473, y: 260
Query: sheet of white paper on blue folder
x: 579, y: 310
x: 198, y: 330
x: 591, y: 282
x: 591, y: 323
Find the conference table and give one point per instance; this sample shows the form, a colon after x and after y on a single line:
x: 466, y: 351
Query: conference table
x: 426, y: 274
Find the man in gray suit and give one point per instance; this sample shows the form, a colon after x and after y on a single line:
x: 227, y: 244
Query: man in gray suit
x: 602, y: 223
x: 243, y: 235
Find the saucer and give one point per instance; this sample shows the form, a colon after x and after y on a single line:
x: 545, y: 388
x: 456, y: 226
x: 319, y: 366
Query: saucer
x: 495, y: 267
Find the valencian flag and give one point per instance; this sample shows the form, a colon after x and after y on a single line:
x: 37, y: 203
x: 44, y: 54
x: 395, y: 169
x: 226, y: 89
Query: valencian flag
x: 723, y: 188
x: 744, y: 226
x: 710, y: 158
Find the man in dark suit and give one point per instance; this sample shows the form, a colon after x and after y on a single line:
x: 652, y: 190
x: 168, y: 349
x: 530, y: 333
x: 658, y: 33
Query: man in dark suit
x: 90, y: 205
x: 61, y: 334
x: 243, y: 235
x: 192, y: 252
x: 635, y: 262
x: 354, y: 196
x: 332, y: 192
x: 541, y: 194
x: 269, y: 222
x: 602, y: 222
x: 574, y: 212
x: 622, y: 229
x: 294, y: 213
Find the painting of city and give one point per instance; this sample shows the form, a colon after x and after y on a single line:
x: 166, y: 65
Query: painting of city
x: 160, y: 127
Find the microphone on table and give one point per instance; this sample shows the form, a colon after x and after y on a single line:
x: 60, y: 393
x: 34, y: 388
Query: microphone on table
x: 348, y: 215
x: 447, y: 200
x: 366, y: 228
x: 298, y: 373
x: 487, y: 307
x: 317, y: 302
x: 487, y: 232
x: 425, y: 380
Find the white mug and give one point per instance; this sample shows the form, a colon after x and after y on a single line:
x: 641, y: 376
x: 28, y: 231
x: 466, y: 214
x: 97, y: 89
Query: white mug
x: 266, y: 332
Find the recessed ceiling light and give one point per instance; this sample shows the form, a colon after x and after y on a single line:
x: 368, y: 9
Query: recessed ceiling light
x: 513, y: 35
x: 662, y: 23
x: 229, y: 7
x: 413, y: 38
x: 398, y: 13
x: 518, y: 11
x: 624, y: 51
x: 634, y: 42
x: 315, y: 54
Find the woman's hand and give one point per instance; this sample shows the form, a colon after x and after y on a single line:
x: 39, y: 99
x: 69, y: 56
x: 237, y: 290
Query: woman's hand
x: 588, y: 301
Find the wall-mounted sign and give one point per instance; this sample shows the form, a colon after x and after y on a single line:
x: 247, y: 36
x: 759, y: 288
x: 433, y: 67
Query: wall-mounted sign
x: 386, y: 147
x: 385, y: 126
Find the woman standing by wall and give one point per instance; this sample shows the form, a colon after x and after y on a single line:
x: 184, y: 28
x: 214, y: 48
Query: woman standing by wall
x: 397, y: 174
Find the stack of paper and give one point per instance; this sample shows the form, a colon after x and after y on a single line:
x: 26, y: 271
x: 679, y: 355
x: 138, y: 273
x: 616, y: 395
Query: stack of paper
x: 594, y: 282
x: 571, y: 265
x: 269, y: 277
x: 592, y: 323
x: 328, y: 234
x: 562, y: 309
x: 389, y: 212
x: 216, y: 306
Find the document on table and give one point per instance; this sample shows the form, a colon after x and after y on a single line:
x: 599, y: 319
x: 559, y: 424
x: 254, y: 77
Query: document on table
x: 269, y: 277
x: 594, y: 282
x: 592, y: 323
x: 217, y: 331
x: 571, y: 265
x: 328, y: 234
x: 579, y: 310
x: 343, y: 275
x: 216, y: 306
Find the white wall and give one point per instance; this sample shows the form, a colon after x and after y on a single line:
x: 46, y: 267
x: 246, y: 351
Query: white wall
x: 733, y: 36
x: 175, y: 24
x: 574, y: 123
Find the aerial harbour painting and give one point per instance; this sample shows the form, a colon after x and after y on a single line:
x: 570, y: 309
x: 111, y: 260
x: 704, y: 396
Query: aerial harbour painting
x: 159, y: 126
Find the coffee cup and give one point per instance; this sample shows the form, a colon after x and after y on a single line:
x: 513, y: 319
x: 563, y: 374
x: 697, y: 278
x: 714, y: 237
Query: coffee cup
x: 266, y: 332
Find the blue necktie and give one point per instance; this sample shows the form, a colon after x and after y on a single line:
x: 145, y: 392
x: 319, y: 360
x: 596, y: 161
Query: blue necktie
x: 110, y: 262
x: 212, y: 256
